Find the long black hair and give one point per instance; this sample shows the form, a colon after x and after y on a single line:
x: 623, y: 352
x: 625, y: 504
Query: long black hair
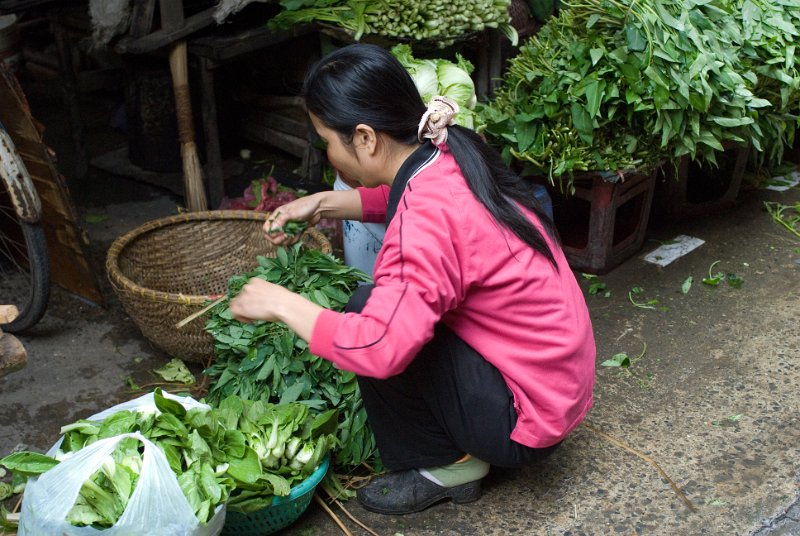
x: 366, y: 84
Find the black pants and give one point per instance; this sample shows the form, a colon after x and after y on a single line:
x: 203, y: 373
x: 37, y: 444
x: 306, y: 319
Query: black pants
x: 449, y: 402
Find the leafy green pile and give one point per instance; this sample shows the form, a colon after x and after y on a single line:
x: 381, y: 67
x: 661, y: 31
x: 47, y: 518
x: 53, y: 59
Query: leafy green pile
x: 243, y: 454
x: 612, y: 85
x: 283, y: 445
x: 267, y: 361
x: 438, y: 21
x: 771, y: 34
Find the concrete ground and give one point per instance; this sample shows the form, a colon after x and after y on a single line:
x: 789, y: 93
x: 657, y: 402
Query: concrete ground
x: 711, y: 396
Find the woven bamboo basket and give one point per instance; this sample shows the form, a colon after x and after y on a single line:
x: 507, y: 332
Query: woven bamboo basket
x: 170, y: 268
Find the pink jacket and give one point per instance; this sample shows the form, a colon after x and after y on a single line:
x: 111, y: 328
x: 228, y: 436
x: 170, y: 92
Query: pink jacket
x: 445, y: 259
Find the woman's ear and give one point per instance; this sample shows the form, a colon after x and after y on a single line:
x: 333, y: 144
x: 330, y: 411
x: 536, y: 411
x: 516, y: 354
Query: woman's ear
x: 366, y: 139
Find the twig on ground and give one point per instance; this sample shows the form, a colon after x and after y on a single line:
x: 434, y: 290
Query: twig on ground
x: 354, y: 519
x: 332, y: 515
x: 646, y: 458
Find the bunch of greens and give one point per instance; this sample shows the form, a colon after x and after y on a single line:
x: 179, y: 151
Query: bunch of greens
x: 242, y: 454
x: 267, y: 361
x: 611, y: 85
x: 283, y: 444
x: 770, y: 35
x: 442, y: 77
x: 440, y: 22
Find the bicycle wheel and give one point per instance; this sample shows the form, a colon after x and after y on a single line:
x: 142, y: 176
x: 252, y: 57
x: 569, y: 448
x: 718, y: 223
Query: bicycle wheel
x: 24, y: 267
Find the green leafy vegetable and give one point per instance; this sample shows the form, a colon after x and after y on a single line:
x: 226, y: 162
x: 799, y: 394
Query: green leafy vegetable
x: 28, y: 463
x: 636, y: 291
x: 610, y: 85
x: 595, y: 285
x: 786, y: 215
x: 442, y: 77
x: 243, y: 453
x: 175, y: 371
x: 713, y: 280
x: 621, y: 359
x: 268, y: 362
x: 617, y: 360
x: 687, y: 284
x: 438, y: 21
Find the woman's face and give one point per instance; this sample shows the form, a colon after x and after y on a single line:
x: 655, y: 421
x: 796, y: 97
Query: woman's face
x: 351, y: 161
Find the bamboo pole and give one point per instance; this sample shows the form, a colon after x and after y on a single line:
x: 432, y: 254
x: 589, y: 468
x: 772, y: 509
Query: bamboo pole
x: 193, y: 183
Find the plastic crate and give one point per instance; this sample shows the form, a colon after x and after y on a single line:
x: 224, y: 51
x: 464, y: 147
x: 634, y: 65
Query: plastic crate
x: 604, y: 223
x: 694, y: 189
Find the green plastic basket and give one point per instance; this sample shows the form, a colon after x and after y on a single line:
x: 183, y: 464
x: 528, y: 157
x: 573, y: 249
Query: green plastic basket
x: 283, y: 512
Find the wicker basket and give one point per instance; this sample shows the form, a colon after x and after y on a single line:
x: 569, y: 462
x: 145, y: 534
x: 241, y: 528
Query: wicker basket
x: 170, y: 268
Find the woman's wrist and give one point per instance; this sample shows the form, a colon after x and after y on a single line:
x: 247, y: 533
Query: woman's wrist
x: 299, y: 313
x: 339, y: 204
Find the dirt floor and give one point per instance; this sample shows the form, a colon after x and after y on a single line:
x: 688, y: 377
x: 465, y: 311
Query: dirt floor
x: 698, y: 436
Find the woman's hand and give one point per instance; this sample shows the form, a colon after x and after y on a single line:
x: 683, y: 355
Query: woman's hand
x: 304, y: 209
x: 261, y: 300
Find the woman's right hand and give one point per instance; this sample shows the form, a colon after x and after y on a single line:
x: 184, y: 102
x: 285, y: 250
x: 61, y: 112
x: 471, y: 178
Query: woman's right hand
x: 303, y: 209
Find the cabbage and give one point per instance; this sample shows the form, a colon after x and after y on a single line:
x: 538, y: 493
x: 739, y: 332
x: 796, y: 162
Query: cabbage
x: 424, y: 74
x: 442, y: 77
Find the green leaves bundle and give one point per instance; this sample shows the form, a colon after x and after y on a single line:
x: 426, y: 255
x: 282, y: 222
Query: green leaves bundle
x: 267, y: 361
x: 617, y: 84
x: 242, y: 454
x: 771, y: 34
x: 438, y: 21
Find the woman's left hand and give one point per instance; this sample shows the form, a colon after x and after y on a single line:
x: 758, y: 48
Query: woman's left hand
x: 259, y: 300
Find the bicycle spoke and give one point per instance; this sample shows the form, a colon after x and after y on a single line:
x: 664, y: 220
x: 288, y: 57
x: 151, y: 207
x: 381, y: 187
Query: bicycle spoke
x: 12, y: 252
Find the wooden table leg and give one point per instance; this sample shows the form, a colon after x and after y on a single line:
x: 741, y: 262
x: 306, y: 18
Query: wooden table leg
x: 213, y: 168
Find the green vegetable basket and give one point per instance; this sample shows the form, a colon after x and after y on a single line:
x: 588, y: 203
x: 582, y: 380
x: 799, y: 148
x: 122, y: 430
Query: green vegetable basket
x: 283, y: 512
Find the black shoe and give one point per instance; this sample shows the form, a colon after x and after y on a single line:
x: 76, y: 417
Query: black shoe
x: 408, y: 491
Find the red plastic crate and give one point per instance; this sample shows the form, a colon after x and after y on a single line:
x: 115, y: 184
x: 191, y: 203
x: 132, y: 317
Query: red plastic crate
x: 701, y: 189
x: 604, y: 223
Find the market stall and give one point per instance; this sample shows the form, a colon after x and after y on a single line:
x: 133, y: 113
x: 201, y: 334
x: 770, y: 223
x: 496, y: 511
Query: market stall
x: 594, y: 106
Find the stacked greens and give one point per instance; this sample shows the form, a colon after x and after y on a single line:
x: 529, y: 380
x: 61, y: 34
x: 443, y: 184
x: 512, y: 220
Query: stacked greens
x: 243, y: 454
x: 770, y: 36
x: 267, y: 361
x: 611, y: 85
x: 439, y: 22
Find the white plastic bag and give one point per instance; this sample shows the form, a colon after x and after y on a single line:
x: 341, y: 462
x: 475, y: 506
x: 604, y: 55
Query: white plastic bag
x: 145, y: 403
x: 156, y: 507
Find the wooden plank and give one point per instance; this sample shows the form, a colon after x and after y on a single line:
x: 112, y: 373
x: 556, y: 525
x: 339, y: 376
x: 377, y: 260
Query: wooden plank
x: 270, y: 101
x: 225, y: 48
x: 142, y: 16
x: 66, y: 241
x: 171, y: 14
x: 275, y: 120
x: 161, y: 38
x: 260, y: 133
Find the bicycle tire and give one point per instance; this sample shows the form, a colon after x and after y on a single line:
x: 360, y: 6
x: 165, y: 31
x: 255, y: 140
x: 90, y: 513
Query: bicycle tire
x: 34, y: 307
